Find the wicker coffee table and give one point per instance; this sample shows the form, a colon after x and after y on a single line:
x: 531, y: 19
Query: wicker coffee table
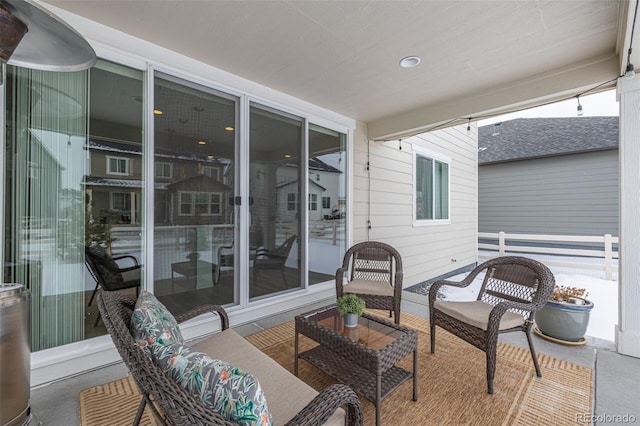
x: 363, y: 357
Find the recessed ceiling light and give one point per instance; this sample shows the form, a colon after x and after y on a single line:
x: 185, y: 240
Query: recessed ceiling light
x: 202, y: 143
x: 287, y: 156
x: 229, y: 129
x: 157, y: 112
x: 210, y: 156
x: 410, y: 62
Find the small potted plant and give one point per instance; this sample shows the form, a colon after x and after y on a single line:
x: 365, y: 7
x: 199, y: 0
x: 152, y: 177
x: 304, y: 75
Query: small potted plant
x: 350, y: 307
x: 565, y: 316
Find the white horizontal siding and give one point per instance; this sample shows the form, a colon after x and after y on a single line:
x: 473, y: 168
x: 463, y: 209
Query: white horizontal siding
x: 386, y: 191
x: 570, y: 194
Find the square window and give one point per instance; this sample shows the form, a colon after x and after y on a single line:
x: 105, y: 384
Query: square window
x: 163, y: 170
x: 117, y: 166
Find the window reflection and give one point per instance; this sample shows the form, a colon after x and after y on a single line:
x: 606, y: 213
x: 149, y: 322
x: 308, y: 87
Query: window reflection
x: 327, y: 202
x: 194, y: 169
x: 276, y: 205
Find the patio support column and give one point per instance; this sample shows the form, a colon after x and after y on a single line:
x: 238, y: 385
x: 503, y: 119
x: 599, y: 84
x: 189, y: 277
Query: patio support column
x: 628, y: 327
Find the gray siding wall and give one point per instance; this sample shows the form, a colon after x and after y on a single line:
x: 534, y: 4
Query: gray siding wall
x: 565, y: 195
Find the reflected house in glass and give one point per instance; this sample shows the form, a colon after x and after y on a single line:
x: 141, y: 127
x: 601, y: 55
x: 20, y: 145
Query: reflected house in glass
x: 323, y: 190
x: 114, y: 181
x: 199, y: 200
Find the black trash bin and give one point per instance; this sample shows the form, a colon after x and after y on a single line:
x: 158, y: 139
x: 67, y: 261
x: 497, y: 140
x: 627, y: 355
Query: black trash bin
x: 15, y: 355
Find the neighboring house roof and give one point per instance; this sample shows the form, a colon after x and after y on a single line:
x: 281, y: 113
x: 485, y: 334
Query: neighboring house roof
x: 295, y: 181
x: 119, y: 183
x: 199, y: 183
x: 317, y: 164
x: 136, y: 149
x: 526, y: 138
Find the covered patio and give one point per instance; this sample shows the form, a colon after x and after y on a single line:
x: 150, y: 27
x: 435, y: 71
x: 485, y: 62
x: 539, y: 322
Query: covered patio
x: 615, y: 393
x: 371, y: 87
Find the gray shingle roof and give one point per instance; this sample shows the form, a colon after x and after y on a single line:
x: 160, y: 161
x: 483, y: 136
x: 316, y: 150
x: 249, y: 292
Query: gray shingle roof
x: 526, y: 138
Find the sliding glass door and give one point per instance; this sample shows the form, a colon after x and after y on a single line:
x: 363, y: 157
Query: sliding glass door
x: 78, y: 174
x: 194, y: 212
x: 276, y: 201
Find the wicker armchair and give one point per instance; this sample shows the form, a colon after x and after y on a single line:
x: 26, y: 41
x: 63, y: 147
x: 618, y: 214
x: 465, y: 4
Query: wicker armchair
x: 374, y: 270
x: 173, y: 405
x: 513, y: 290
x: 108, y: 274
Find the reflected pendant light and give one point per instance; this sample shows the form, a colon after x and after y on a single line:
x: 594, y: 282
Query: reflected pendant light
x: 31, y: 37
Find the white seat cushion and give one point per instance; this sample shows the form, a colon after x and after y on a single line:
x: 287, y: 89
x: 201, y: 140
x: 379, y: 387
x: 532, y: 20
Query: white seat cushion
x: 286, y: 394
x: 476, y: 313
x: 378, y: 288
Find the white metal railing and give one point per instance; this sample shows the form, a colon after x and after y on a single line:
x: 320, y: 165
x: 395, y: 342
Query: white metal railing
x: 598, y: 247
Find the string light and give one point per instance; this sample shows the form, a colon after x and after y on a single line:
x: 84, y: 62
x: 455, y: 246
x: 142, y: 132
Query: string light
x: 580, y: 112
x: 630, y: 71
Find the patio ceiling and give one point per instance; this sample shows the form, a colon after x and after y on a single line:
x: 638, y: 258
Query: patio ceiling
x: 477, y: 56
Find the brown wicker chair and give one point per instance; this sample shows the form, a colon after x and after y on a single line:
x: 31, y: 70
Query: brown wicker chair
x: 375, y: 274
x: 108, y: 274
x: 513, y: 290
x: 173, y: 405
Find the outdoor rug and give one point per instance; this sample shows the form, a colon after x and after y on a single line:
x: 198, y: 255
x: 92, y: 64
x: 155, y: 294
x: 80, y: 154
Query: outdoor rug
x: 451, y: 385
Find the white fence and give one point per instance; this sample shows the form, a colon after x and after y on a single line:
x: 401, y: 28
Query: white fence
x: 571, y: 249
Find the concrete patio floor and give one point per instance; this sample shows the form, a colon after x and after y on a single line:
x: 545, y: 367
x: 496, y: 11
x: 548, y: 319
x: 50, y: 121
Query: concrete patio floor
x: 617, y: 377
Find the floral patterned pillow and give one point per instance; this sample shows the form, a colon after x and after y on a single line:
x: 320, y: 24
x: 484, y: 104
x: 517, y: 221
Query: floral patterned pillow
x: 234, y: 394
x: 153, y: 325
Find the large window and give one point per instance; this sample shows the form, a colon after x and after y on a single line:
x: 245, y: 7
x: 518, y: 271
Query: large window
x: 62, y: 132
x: 431, y: 187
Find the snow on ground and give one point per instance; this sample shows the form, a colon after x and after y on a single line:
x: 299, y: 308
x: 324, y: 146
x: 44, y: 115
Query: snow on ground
x: 603, y: 293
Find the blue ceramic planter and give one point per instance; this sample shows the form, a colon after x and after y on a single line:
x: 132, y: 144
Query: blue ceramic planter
x: 564, y: 321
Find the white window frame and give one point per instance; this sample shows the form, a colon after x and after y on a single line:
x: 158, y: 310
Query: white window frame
x: 192, y: 203
x: 127, y: 165
x: 292, y: 204
x: 164, y: 165
x: 112, y: 198
x: 215, y: 172
x: 313, y: 202
x: 326, y: 205
x: 434, y: 156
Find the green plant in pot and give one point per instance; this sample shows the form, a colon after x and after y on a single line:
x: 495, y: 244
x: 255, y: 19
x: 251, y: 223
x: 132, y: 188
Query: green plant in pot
x: 350, y: 307
x: 565, y: 316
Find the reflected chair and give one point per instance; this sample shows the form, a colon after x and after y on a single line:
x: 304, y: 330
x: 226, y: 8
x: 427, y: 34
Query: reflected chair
x: 273, y: 259
x: 224, y: 262
x: 373, y: 271
x: 108, y: 274
x: 513, y: 289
